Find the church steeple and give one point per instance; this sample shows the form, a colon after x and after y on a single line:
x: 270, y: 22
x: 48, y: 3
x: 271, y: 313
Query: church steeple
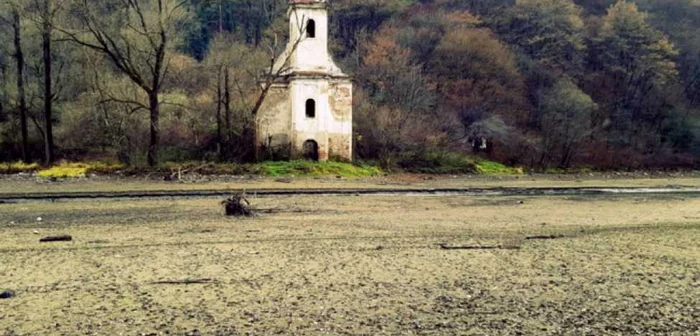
x: 308, y: 111
x: 308, y: 25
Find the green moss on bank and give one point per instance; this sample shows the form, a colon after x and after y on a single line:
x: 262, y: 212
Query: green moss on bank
x: 485, y: 167
x: 308, y: 168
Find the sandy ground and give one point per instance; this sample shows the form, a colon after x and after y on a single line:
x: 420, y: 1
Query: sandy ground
x: 354, y: 265
x: 28, y: 184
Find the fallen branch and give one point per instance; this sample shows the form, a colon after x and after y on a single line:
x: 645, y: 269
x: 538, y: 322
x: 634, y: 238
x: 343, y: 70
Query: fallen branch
x: 478, y: 247
x: 55, y: 239
x: 544, y: 237
x: 183, y: 282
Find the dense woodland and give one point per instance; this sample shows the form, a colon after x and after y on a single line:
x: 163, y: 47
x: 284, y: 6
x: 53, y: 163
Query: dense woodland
x: 548, y: 83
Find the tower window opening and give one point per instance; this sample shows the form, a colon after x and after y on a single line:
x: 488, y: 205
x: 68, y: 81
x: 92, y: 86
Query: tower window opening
x: 311, y: 108
x: 311, y: 29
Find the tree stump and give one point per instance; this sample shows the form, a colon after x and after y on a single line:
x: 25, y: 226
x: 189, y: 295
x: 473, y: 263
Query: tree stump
x: 237, y: 206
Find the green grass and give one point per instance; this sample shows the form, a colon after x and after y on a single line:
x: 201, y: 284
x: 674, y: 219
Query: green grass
x: 485, y: 167
x: 439, y: 163
x: 567, y: 170
x: 308, y: 168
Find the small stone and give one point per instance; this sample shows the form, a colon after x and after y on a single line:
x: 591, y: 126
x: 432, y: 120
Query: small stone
x: 39, y: 219
x: 7, y: 294
x: 35, y: 232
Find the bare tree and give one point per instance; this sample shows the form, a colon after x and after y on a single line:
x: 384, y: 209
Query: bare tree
x: 278, y: 67
x: 47, y: 11
x: 136, y: 39
x: 19, y: 59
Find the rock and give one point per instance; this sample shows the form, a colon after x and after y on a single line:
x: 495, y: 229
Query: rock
x: 283, y: 180
x: 35, y: 232
x: 39, y: 219
x: 7, y: 294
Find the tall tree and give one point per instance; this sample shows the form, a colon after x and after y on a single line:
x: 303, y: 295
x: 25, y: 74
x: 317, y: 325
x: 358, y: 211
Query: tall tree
x: 3, y: 86
x: 20, y: 66
x: 636, y: 66
x: 136, y: 36
x: 549, y: 31
x: 47, y: 12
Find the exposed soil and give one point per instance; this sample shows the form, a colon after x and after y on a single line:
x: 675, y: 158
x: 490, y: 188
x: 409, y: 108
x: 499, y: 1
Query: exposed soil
x: 24, y: 183
x: 354, y: 265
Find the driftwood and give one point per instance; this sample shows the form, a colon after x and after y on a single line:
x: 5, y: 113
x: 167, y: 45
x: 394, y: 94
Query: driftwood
x: 237, y: 206
x: 55, y: 239
x: 184, y: 282
x: 544, y: 237
x: 478, y: 247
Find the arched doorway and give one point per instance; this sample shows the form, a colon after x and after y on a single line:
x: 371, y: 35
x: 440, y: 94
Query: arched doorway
x: 311, y: 150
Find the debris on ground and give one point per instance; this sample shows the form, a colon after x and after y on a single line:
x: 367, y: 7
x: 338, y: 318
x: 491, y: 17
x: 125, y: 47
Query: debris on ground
x: 283, y: 180
x: 56, y: 239
x: 237, y: 206
x: 184, y: 282
x: 544, y: 237
x: 7, y: 294
x: 478, y: 247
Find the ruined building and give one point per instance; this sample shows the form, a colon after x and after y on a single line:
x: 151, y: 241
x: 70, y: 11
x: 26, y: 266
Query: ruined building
x: 307, y: 112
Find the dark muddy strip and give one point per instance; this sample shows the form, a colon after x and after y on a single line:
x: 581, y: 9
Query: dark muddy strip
x: 564, y: 191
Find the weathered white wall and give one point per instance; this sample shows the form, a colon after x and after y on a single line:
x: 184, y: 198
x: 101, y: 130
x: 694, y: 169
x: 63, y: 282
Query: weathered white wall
x: 311, y: 54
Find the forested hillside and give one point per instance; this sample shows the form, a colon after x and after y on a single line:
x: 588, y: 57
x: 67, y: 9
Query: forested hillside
x: 540, y: 83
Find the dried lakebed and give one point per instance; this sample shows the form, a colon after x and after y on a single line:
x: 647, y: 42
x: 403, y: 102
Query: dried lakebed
x: 618, y: 264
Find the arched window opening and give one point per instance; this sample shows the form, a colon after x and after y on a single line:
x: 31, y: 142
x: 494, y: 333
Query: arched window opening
x: 311, y: 29
x: 311, y: 108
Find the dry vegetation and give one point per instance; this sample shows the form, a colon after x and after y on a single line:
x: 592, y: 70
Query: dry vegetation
x: 354, y: 265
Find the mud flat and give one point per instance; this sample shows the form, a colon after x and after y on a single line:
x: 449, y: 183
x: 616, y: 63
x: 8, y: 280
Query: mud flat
x: 353, y: 265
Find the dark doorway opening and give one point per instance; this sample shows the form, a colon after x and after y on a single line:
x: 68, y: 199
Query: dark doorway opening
x: 311, y: 108
x: 311, y: 29
x: 311, y: 150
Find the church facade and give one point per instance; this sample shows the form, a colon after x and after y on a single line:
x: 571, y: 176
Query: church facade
x: 307, y: 112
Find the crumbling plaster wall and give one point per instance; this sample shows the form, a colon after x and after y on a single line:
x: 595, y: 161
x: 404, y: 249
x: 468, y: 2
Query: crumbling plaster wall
x: 333, y: 120
x: 275, y: 119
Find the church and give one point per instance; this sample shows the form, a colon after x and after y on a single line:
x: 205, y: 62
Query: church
x: 307, y: 112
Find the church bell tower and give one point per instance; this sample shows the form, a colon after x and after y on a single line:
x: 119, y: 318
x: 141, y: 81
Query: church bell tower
x: 308, y: 111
